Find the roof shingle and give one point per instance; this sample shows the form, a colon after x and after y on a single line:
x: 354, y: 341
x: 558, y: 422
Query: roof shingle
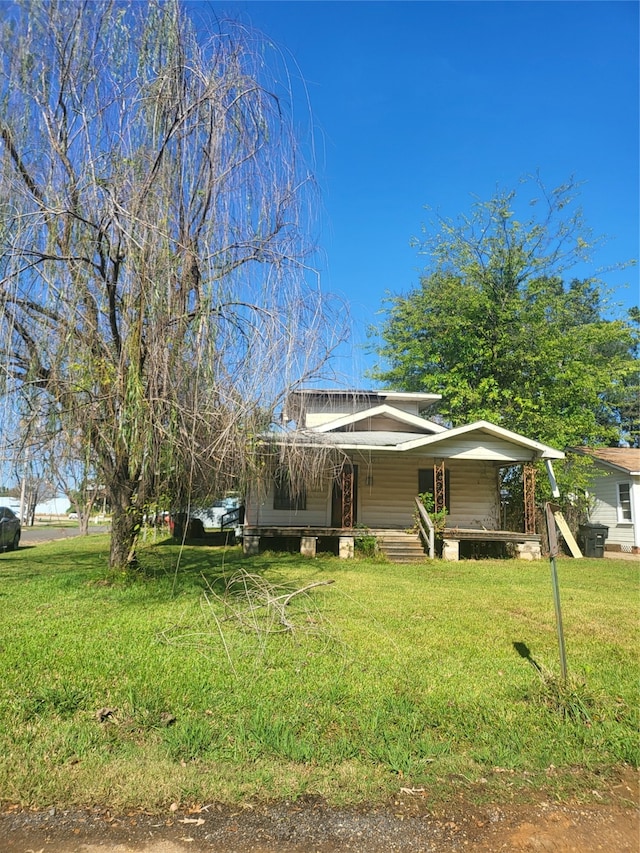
x: 627, y: 458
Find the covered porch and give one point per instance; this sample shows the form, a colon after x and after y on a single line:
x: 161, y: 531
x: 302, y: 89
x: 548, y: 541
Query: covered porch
x: 351, y: 511
x: 374, y: 484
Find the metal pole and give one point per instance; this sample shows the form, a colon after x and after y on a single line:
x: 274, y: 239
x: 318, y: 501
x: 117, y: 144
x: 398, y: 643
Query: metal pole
x: 556, y: 599
x: 553, y: 551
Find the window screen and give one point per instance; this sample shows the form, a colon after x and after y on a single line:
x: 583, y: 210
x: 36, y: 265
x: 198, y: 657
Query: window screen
x: 283, y: 495
x: 624, y: 502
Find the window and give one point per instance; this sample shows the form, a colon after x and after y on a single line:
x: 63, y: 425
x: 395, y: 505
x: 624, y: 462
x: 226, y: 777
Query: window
x: 426, y: 484
x: 283, y: 495
x: 624, y: 502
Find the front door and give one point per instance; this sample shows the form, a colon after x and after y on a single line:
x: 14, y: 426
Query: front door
x: 344, y: 499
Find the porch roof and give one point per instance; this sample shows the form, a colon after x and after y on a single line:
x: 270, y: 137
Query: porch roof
x: 485, y: 428
x: 345, y: 440
x: 448, y: 443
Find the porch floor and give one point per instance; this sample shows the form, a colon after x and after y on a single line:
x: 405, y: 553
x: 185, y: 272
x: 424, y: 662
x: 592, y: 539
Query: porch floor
x: 527, y: 545
x: 482, y: 535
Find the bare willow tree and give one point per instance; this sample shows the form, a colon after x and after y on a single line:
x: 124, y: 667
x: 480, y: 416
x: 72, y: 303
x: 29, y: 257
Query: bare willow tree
x: 154, y: 296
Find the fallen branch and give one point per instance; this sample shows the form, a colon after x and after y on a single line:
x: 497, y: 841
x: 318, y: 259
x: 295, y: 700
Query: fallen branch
x: 281, y: 601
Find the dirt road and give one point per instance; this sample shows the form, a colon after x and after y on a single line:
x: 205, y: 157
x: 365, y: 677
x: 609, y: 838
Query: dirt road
x: 404, y: 826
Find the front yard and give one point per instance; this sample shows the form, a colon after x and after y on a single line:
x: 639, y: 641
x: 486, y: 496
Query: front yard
x: 201, y: 681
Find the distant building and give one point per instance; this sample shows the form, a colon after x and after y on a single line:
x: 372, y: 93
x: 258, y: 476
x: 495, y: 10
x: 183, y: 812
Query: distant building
x: 616, y: 494
x: 59, y: 505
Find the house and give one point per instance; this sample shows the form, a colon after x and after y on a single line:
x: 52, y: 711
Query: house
x: 377, y: 453
x: 615, y: 495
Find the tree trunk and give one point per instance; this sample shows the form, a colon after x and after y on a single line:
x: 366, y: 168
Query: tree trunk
x: 126, y: 519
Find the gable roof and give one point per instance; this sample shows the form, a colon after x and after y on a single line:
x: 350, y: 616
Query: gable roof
x: 377, y: 411
x: 626, y: 459
x: 543, y: 451
x: 383, y: 425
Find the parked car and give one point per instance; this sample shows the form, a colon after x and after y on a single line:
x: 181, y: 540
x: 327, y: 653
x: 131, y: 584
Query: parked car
x: 225, y: 512
x: 9, y: 529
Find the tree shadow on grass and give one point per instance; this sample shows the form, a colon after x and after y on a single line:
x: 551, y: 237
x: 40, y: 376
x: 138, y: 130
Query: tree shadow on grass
x: 209, y: 539
x: 221, y: 571
x: 31, y: 562
x: 196, y: 568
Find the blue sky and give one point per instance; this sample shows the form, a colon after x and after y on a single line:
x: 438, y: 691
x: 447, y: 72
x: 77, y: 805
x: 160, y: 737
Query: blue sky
x: 433, y: 103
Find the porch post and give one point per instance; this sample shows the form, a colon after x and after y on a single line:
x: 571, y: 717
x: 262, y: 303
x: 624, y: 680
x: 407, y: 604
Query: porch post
x: 439, y: 488
x: 451, y: 549
x: 250, y: 545
x: 347, y: 496
x: 346, y: 547
x: 529, y: 485
x: 528, y: 551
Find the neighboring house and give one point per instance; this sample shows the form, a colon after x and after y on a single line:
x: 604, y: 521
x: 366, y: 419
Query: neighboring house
x: 616, y: 495
x: 378, y: 454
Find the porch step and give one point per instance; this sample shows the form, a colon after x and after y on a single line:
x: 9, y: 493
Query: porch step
x: 400, y: 547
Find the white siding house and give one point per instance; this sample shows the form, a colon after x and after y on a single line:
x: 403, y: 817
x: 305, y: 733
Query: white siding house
x: 616, y: 495
x: 382, y: 452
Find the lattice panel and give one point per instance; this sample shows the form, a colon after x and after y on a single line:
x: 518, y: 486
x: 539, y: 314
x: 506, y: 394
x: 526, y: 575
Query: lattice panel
x: 529, y: 484
x: 439, y: 499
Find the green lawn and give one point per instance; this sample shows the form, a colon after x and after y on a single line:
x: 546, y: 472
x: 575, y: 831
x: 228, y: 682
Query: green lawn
x: 391, y: 676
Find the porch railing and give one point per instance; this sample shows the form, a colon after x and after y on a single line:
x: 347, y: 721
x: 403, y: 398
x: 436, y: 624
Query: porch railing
x: 426, y: 528
x: 232, y: 518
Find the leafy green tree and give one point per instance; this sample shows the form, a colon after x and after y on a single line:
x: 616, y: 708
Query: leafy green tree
x: 627, y: 401
x: 497, y: 329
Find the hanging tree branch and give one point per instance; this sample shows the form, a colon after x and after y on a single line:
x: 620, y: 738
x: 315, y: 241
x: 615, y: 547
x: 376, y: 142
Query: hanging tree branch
x: 153, y: 256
